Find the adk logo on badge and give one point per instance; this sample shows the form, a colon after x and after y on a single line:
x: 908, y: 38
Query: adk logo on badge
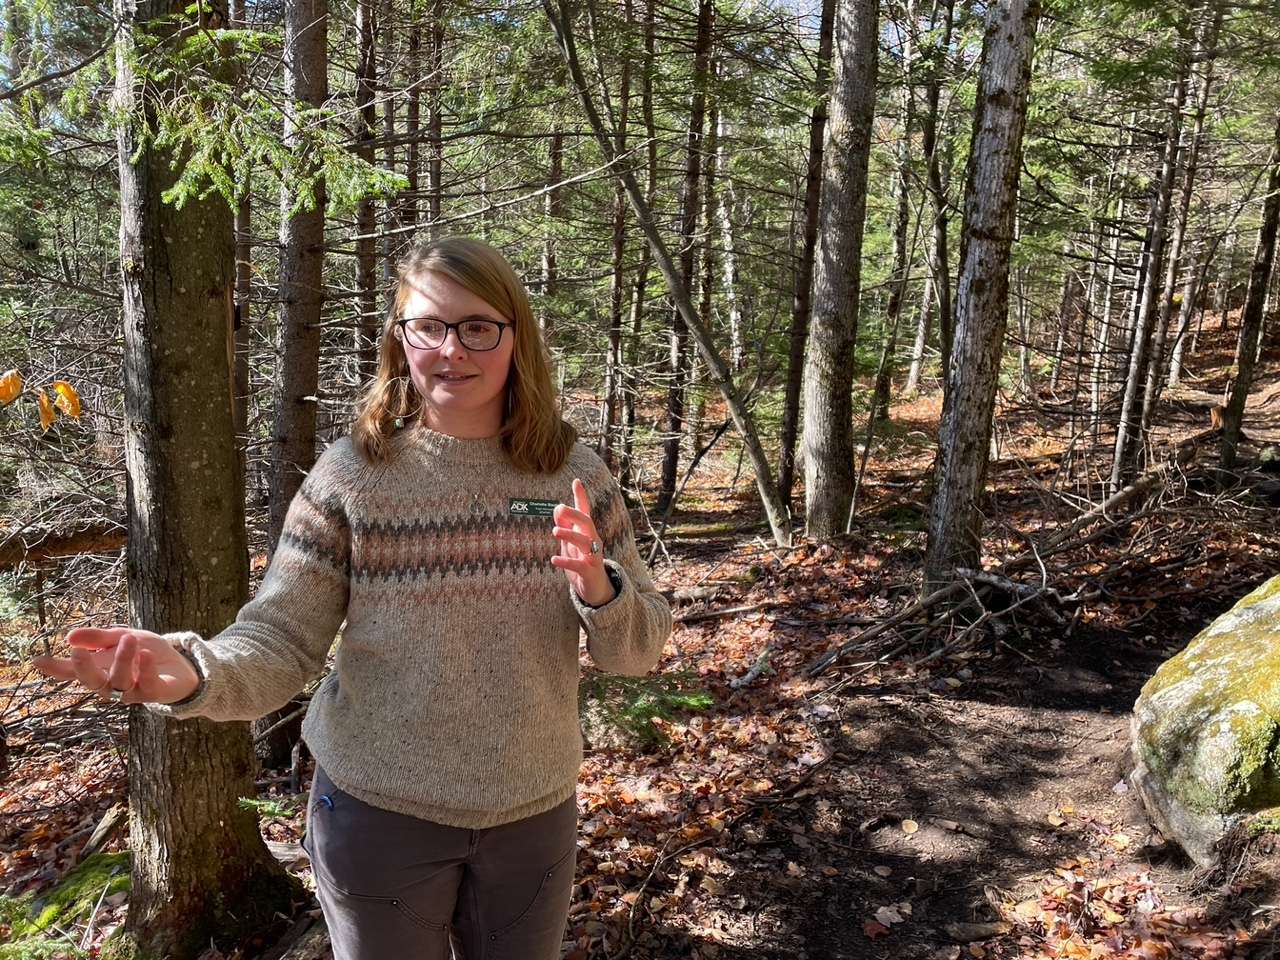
x: 532, y: 508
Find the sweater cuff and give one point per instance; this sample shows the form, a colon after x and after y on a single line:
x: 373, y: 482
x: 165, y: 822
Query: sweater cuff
x: 602, y: 616
x: 193, y: 703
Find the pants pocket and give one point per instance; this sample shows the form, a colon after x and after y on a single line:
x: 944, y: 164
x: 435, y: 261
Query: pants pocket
x: 369, y: 861
x: 537, y: 932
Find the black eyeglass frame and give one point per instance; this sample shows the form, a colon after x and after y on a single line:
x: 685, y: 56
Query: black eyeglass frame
x: 500, y: 324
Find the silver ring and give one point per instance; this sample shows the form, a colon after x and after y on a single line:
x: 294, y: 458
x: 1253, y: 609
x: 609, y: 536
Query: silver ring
x: 595, y: 546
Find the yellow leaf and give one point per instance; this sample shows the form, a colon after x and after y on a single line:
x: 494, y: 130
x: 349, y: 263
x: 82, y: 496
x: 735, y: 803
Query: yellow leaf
x: 68, y: 401
x: 46, y: 411
x: 10, y: 386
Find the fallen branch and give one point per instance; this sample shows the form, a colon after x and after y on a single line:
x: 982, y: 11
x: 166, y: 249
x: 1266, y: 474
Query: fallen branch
x: 942, y: 593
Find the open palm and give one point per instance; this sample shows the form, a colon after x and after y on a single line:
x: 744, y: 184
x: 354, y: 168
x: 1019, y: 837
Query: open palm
x: 142, y: 664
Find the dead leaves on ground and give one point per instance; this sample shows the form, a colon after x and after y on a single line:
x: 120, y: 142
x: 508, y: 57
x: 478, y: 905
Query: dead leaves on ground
x: 1082, y: 912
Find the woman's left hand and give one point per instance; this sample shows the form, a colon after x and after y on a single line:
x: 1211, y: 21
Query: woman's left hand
x: 577, y: 532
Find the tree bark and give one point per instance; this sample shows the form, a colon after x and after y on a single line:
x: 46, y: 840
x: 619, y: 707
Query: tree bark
x: 199, y: 867
x: 924, y: 324
x: 1251, y: 321
x: 982, y: 293
x: 828, y: 370
x: 802, y: 298
x: 938, y: 249
x: 368, y: 325
x: 553, y: 210
x: 435, y: 123
x: 617, y: 278
x: 628, y: 475
x: 293, y: 446
x: 902, y: 250
x: 679, y: 362
x: 1206, y: 45
x: 1129, y: 430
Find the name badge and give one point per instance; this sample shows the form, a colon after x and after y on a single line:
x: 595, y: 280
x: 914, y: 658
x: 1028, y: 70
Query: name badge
x: 532, y: 508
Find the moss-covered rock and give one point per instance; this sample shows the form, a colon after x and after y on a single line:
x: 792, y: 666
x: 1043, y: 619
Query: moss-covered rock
x: 35, y: 922
x: 1206, y: 728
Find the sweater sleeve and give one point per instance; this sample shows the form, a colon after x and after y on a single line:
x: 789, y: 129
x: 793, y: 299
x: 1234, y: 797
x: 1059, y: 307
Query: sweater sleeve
x: 627, y: 634
x: 280, y: 639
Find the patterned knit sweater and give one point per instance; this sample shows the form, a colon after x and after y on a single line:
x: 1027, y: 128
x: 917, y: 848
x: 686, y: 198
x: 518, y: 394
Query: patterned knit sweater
x: 454, y: 695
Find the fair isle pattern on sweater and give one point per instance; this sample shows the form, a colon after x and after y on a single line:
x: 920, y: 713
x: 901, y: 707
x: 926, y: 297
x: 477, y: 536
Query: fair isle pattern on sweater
x: 454, y: 692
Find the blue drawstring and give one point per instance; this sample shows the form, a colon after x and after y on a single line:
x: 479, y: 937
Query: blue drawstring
x: 325, y: 798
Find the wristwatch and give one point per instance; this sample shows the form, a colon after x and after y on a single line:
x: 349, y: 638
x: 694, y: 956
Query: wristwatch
x: 616, y: 580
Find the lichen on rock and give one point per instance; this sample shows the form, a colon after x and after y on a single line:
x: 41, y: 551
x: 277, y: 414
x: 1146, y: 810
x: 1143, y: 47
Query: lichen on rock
x: 1206, y: 728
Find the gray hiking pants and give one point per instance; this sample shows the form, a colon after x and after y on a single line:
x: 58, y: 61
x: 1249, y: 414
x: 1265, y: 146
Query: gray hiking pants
x: 394, y: 887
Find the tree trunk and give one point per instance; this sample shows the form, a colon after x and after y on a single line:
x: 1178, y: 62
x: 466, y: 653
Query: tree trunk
x: 1129, y: 437
x: 630, y: 385
x: 1102, y: 356
x: 200, y: 870
x: 368, y: 325
x: 244, y: 304
x: 435, y: 123
x: 679, y: 364
x: 982, y: 293
x: 553, y: 209
x: 617, y: 280
x: 1251, y: 321
x: 728, y: 252
x: 559, y: 17
x: 939, y: 257
x: 902, y: 250
x: 293, y: 446
x: 1207, y: 44
x: 828, y: 369
x: 924, y: 324
x: 802, y: 298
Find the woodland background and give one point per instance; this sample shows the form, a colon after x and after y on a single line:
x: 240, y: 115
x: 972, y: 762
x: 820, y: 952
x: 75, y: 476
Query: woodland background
x: 920, y: 336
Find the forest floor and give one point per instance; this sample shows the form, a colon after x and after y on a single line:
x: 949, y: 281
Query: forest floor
x: 902, y: 803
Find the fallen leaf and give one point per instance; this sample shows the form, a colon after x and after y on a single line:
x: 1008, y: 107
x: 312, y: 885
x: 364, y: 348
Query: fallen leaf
x: 910, y: 826
x: 873, y: 929
x: 888, y: 916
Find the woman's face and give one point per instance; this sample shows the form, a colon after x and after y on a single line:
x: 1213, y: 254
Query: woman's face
x: 463, y: 389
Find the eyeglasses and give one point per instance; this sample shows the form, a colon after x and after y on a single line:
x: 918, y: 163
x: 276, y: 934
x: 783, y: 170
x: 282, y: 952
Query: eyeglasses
x: 427, y: 333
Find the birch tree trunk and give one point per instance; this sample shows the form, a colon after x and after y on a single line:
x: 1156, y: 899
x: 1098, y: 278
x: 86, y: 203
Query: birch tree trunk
x: 828, y: 369
x: 982, y: 292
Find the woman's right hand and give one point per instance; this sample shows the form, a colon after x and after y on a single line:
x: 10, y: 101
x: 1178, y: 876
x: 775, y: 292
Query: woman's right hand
x: 142, y: 664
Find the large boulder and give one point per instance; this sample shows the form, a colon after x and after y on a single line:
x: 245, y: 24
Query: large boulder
x: 1206, y: 728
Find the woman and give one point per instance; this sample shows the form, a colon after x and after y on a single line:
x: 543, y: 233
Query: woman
x: 446, y: 738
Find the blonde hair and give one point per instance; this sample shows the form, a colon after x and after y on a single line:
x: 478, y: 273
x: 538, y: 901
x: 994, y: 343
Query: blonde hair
x: 534, y: 436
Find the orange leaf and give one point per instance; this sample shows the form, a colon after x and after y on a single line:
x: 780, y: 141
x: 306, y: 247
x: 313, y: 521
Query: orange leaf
x: 10, y: 387
x: 68, y: 401
x: 46, y: 411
